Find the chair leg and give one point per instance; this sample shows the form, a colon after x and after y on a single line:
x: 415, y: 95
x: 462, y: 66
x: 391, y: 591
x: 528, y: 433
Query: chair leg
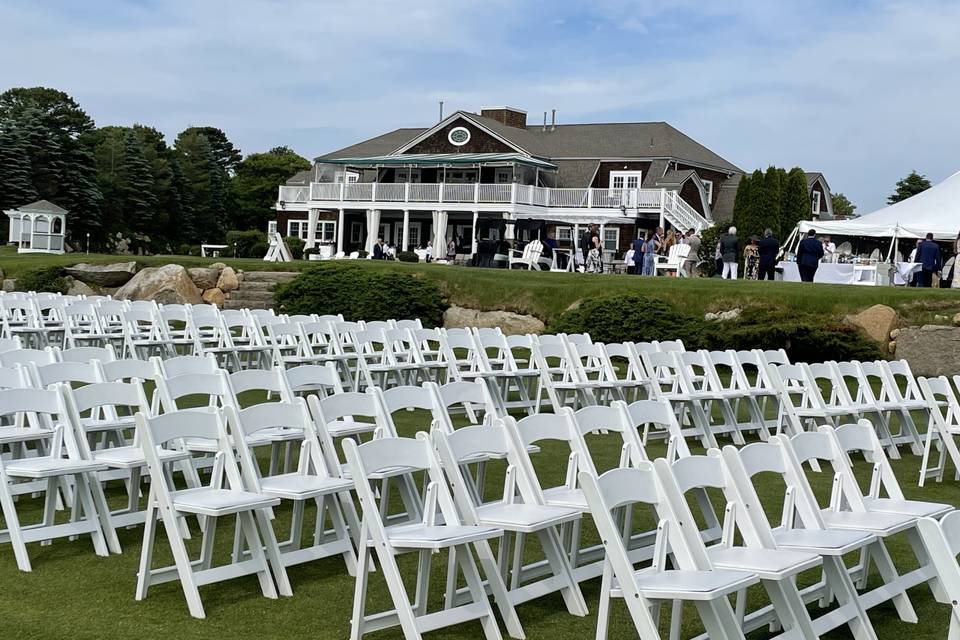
x: 12, y: 521
x: 360, y: 589
x: 475, y: 585
x: 272, y: 551
x: 572, y: 596
x: 838, y: 581
x: 256, y: 545
x: 603, y: 609
x: 887, y: 571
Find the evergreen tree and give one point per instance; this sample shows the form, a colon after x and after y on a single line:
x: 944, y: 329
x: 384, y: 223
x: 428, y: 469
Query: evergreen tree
x: 842, y: 207
x: 741, y: 202
x: 226, y: 155
x: 758, y: 207
x: 795, y: 201
x: 180, y: 212
x: 16, y: 185
x: 158, y: 155
x: 136, y: 190
x: 773, y: 185
x: 204, y: 186
x: 81, y: 197
x: 913, y: 184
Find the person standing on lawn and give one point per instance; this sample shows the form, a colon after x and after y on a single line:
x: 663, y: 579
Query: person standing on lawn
x: 928, y: 255
x: 729, y: 251
x: 769, y: 248
x: 693, y: 258
x: 808, y: 256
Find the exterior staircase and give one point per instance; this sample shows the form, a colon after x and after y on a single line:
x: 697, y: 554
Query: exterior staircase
x: 681, y: 215
x: 256, y: 289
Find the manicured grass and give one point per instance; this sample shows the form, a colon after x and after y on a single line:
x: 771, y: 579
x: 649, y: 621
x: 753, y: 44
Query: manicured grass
x: 73, y: 593
x: 546, y: 295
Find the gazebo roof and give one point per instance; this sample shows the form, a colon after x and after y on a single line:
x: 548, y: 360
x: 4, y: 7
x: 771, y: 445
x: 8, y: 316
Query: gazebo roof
x: 41, y: 206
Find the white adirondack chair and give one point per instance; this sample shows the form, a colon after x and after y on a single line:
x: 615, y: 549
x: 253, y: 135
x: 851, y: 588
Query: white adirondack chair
x: 530, y: 256
x: 674, y: 260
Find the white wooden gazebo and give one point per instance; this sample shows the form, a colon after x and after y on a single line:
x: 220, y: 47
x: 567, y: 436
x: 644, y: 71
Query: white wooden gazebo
x: 39, y: 227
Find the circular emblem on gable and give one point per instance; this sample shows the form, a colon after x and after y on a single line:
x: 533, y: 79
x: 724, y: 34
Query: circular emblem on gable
x: 459, y: 136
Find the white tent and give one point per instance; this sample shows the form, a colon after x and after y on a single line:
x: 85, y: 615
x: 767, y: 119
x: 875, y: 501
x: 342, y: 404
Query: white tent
x: 936, y: 211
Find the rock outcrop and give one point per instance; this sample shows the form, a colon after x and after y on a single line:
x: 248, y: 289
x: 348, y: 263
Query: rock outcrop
x: 204, y: 277
x: 931, y: 350
x: 876, y: 321
x: 214, y: 296
x: 227, y: 280
x: 169, y: 284
x: 104, y: 275
x: 510, y: 323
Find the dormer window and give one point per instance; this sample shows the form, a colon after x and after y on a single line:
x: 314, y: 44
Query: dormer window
x: 708, y: 189
x: 816, y: 203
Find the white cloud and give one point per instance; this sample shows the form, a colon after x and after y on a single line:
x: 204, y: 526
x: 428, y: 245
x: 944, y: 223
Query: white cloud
x: 862, y: 92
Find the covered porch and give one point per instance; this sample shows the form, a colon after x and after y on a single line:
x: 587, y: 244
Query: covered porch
x: 39, y: 227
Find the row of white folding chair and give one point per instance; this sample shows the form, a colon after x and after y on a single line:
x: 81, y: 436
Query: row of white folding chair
x: 777, y: 554
x: 943, y: 425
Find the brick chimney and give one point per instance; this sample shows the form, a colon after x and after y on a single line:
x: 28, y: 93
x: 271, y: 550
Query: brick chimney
x: 506, y: 115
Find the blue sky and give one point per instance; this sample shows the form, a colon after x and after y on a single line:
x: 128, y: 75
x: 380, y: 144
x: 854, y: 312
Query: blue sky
x: 862, y: 90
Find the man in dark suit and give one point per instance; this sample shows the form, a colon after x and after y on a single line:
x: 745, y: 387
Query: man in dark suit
x: 928, y: 255
x: 808, y: 256
x: 769, y: 247
x: 638, y: 253
x: 378, y: 250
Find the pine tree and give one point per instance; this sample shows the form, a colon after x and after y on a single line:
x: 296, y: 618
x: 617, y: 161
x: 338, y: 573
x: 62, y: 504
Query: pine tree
x: 80, y: 196
x: 136, y: 188
x: 758, y: 206
x: 203, y: 180
x: 773, y: 185
x: 796, y: 201
x: 909, y: 186
x: 180, y: 211
x: 740, y: 202
x: 16, y: 185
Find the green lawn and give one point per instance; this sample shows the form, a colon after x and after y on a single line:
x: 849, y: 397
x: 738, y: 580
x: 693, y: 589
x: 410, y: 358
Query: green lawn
x: 73, y: 593
x: 546, y: 295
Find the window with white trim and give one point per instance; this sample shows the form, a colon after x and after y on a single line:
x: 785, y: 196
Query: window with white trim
x: 708, y: 189
x: 352, y: 176
x: 503, y: 175
x: 356, y: 232
x: 564, y: 234
x: 611, y: 238
x: 816, y: 203
x: 407, y: 175
x: 326, y: 230
x: 271, y: 227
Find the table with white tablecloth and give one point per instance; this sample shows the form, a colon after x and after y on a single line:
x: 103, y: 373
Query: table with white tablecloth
x: 833, y: 273
x: 905, y: 272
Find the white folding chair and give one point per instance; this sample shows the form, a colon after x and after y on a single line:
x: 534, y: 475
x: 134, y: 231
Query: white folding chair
x: 88, y: 354
x: 54, y: 466
x: 394, y: 457
x: 645, y: 590
x: 942, y: 539
x: 225, y: 496
x: 310, y: 482
x: 888, y: 398
x: 520, y: 518
x: 777, y: 568
x: 942, y: 426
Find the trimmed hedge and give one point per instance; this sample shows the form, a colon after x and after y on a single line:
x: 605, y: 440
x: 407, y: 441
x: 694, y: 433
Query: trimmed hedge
x: 639, y: 318
x: 295, y: 245
x: 45, y: 279
x: 408, y: 256
x: 247, y: 243
x: 362, y: 294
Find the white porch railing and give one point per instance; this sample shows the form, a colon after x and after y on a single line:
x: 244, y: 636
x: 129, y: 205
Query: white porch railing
x: 295, y: 194
x: 475, y: 193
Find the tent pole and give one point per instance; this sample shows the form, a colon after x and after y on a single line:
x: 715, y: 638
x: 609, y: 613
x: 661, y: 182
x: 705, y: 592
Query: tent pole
x: 893, y: 244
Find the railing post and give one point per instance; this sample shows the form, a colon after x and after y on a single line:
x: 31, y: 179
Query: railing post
x: 406, y: 192
x: 513, y: 193
x: 373, y: 192
x: 589, y: 197
x: 342, y: 184
x: 476, y: 192
x: 440, y: 196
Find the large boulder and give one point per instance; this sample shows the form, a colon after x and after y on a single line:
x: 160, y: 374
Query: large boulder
x: 510, y: 323
x: 214, y: 296
x: 78, y: 288
x: 931, y: 350
x: 228, y: 280
x: 876, y: 321
x: 104, y: 275
x: 204, y: 277
x: 9, y: 284
x: 169, y: 284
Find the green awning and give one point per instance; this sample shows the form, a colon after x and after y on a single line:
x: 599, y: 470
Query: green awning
x: 441, y: 160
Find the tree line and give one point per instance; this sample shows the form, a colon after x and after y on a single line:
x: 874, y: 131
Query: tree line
x: 127, y: 184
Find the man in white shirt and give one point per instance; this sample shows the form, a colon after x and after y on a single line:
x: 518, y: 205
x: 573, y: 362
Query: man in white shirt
x: 829, y: 250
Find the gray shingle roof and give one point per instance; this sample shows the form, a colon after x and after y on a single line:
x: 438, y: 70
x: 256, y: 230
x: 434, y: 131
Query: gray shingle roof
x: 570, y: 141
x: 674, y: 177
x: 41, y: 206
x: 302, y: 178
x: 722, y: 208
x: 575, y: 173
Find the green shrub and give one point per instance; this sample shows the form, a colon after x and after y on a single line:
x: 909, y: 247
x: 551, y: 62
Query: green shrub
x: 295, y: 245
x: 362, y: 294
x: 246, y: 242
x: 259, y: 250
x: 631, y: 317
x: 310, y: 252
x: 708, y: 247
x: 45, y: 279
x: 408, y: 256
x: 362, y: 254
x: 183, y: 250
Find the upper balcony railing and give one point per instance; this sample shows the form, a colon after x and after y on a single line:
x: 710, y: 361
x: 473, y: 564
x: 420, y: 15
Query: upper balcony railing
x: 475, y: 193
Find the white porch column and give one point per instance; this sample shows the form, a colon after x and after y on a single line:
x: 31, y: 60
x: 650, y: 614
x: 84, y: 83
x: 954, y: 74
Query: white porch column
x: 373, y: 228
x: 406, y: 230
x: 663, y: 205
x: 312, y: 218
x: 340, y: 224
x: 602, y: 245
x: 473, y: 234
